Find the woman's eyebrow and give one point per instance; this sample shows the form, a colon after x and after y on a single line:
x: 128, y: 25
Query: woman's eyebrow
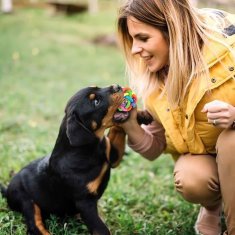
x: 138, y: 35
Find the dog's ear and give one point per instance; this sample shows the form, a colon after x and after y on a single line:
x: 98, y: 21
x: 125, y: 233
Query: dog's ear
x: 77, y: 133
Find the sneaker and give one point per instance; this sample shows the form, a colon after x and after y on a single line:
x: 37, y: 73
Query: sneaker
x: 208, y: 222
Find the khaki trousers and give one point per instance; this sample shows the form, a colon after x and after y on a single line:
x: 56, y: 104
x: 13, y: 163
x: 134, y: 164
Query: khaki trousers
x: 210, y: 180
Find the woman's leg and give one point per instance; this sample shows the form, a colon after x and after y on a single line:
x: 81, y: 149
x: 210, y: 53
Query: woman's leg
x: 226, y: 168
x: 196, y: 179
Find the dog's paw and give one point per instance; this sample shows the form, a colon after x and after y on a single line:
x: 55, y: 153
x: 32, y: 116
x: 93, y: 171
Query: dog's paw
x: 144, y: 117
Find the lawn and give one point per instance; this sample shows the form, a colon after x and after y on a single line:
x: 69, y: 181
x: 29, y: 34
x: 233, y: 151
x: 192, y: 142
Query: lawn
x: 44, y: 61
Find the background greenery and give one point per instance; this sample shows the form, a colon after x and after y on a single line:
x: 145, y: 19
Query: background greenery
x: 44, y: 61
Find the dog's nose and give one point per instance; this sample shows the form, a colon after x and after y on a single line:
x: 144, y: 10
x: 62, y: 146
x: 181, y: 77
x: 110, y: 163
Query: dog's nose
x: 117, y: 88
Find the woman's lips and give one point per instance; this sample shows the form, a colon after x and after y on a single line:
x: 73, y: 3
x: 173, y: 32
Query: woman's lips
x: 147, y: 58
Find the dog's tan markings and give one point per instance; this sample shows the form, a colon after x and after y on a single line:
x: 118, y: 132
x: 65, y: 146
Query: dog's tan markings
x: 108, y: 148
x: 117, y: 136
x: 97, y: 233
x: 92, y: 96
x: 78, y: 216
x: 108, y: 119
x: 94, y: 185
x: 93, y: 125
x: 38, y: 220
x: 106, y: 123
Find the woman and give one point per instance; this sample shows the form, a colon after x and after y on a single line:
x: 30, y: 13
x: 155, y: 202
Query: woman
x: 181, y: 61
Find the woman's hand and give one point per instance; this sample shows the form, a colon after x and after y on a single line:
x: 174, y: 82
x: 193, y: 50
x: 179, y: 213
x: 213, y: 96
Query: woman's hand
x: 131, y: 121
x: 133, y: 130
x: 219, y: 113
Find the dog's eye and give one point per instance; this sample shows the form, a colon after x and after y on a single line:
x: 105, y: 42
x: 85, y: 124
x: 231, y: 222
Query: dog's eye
x: 96, y: 102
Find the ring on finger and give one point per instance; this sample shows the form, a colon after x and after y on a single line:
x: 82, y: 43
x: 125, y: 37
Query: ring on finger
x: 215, y: 122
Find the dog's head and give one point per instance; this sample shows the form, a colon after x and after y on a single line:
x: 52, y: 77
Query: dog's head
x: 89, y: 112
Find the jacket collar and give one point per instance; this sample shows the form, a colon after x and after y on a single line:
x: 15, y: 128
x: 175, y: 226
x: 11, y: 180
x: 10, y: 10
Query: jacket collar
x: 214, y: 51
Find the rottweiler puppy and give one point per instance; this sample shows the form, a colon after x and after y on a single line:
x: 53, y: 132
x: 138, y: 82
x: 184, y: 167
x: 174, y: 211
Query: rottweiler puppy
x: 72, y: 179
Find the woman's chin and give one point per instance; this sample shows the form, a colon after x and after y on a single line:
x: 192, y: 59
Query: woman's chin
x: 155, y: 68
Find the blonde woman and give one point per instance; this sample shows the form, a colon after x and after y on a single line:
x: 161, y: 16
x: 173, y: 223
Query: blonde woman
x: 181, y: 61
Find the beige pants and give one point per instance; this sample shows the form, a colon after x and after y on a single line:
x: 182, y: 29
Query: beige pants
x: 208, y: 180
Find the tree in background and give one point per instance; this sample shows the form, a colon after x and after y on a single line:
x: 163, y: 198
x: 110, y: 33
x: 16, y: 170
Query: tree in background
x: 93, y: 6
x: 6, y: 6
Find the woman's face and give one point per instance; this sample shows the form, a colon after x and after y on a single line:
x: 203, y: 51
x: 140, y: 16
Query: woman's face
x: 149, y: 43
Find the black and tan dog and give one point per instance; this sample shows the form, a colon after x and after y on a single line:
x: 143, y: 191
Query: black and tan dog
x: 72, y: 179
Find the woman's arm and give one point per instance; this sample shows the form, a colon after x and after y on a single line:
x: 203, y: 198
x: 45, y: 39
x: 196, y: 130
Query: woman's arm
x: 147, y: 140
x: 153, y: 141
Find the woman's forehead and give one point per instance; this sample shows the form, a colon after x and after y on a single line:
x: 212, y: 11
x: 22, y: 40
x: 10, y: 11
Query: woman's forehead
x: 136, y: 26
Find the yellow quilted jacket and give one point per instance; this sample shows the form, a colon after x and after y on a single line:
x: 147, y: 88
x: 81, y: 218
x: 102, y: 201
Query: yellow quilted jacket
x: 187, y: 129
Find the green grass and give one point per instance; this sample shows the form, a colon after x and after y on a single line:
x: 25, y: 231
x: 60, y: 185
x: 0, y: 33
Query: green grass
x: 44, y: 61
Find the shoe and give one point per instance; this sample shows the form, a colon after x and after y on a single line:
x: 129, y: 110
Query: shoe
x: 208, y: 222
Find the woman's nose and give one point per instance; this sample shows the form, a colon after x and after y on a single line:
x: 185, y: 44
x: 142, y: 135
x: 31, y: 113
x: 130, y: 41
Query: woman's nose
x: 135, y: 49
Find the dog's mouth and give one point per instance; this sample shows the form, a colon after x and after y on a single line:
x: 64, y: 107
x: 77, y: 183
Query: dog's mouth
x: 120, y: 116
x: 117, y: 99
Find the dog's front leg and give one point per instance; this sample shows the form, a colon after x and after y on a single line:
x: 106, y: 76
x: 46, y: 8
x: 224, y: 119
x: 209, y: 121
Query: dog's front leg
x: 117, y: 139
x: 89, y: 214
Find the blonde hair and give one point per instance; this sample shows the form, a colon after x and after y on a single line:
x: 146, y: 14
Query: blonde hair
x: 186, y: 30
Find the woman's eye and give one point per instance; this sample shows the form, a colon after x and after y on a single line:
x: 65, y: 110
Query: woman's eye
x: 96, y: 102
x: 144, y: 39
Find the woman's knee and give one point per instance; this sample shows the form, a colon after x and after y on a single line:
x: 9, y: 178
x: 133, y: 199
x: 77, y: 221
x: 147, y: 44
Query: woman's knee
x: 197, y: 182
x: 195, y: 188
x: 225, y: 143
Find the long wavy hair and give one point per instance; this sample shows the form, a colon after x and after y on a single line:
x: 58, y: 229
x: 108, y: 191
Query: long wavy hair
x: 184, y: 27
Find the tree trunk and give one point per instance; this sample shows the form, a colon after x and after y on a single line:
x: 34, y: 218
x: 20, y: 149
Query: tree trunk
x: 93, y: 6
x: 6, y: 6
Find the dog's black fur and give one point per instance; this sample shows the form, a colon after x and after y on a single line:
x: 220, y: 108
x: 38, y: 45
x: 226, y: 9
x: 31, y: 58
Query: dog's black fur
x: 75, y: 175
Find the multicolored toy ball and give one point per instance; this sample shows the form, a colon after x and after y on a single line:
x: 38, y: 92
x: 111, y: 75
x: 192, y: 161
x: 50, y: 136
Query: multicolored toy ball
x: 129, y: 100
